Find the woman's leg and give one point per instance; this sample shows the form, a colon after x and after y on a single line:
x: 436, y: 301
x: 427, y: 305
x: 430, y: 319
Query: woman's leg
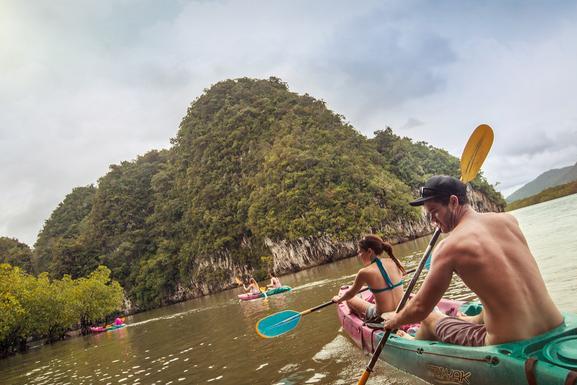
x: 359, y: 306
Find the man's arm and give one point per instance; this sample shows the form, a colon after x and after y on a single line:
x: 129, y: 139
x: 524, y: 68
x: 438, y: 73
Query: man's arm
x: 432, y: 290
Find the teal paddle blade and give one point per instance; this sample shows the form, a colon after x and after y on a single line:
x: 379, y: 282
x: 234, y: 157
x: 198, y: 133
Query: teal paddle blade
x: 277, y: 324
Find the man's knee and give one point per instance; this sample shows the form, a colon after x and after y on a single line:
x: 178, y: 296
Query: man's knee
x: 428, y: 326
x: 432, y: 319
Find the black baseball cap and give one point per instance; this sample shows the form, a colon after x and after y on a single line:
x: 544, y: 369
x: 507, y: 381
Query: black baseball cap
x: 440, y: 186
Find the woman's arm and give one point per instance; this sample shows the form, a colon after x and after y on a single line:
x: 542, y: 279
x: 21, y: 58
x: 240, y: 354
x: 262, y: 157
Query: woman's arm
x: 357, y: 285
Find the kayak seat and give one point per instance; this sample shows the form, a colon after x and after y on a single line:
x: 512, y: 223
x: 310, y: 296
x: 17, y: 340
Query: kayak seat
x: 375, y: 325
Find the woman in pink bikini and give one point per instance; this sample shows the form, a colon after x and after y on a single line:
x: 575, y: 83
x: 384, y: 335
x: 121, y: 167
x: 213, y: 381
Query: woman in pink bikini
x: 384, y: 277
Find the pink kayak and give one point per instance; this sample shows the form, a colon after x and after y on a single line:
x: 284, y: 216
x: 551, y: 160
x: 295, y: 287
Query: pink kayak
x: 364, y: 335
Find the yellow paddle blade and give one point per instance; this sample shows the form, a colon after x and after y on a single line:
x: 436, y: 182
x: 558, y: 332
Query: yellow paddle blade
x: 238, y: 281
x: 475, y: 152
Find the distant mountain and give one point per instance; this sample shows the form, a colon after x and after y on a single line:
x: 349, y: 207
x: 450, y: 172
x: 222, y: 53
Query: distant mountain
x: 551, y: 178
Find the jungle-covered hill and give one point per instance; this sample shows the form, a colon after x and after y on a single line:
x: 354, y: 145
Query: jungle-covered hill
x: 252, y: 163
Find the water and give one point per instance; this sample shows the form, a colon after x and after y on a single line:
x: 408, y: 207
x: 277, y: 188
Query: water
x: 212, y: 340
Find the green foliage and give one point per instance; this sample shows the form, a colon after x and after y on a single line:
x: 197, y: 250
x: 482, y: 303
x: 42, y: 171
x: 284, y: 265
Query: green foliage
x: 11, y: 315
x: 15, y: 253
x: 414, y: 163
x: 42, y: 308
x: 157, y: 277
x: 122, y: 205
x: 62, y: 230
x: 105, y: 297
x: 545, y: 195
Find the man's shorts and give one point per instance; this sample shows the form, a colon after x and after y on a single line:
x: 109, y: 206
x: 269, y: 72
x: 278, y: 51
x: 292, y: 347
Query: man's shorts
x: 453, y: 330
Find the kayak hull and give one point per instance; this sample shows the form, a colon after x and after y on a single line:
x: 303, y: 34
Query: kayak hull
x: 277, y: 290
x: 441, y: 363
x: 100, y: 329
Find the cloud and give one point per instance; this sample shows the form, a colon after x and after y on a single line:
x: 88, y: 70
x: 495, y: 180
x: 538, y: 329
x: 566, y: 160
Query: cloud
x: 411, y: 123
x: 89, y: 84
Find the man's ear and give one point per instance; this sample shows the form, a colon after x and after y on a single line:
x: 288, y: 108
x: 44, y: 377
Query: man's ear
x: 453, y: 201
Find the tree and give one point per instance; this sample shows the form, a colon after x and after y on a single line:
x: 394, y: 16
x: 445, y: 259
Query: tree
x: 95, y: 297
x: 15, y: 253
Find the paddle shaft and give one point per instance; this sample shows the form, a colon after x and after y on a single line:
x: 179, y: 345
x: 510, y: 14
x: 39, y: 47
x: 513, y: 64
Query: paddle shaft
x: 325, y: 304
x: 401, y: 304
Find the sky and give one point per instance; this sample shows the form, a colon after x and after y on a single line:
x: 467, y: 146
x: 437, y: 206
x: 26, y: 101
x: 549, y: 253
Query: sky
x: 86, y: 84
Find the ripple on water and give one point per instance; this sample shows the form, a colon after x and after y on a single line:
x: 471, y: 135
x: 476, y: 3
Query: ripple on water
x: 262, y: 366
x: 333, y: 350
x: 317, y: 377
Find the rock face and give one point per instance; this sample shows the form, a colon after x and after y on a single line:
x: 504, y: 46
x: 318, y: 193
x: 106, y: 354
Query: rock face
x: 480, y: 202
x: 306, y: 252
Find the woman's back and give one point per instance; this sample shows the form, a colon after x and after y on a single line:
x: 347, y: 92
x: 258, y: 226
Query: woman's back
x: 383, y: 276
x: 387, y: 294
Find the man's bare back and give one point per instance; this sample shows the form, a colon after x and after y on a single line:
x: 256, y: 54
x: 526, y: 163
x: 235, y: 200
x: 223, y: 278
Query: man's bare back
x: 490, y: 254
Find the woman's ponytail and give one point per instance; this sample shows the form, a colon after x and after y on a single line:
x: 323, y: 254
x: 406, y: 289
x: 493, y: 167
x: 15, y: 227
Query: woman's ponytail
x: 389, y: 250
x: 378, y: 246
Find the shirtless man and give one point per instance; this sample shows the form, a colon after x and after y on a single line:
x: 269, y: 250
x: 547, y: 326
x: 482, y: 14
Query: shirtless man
x: 490, y: 254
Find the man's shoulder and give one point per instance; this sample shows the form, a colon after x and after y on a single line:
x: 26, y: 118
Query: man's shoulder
x: 465, y: 240
x: 497, y: 217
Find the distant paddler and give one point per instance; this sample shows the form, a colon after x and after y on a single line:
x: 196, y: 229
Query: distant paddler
x: 252, y: 287
x: 274, y: 281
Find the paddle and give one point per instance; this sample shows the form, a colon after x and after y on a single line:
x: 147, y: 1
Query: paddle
x: 474, y: 155
x: 283, y: 322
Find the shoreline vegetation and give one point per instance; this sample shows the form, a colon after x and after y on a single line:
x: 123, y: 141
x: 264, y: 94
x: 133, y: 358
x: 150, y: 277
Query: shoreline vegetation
x: 37, y: 308
x: 544, y: 196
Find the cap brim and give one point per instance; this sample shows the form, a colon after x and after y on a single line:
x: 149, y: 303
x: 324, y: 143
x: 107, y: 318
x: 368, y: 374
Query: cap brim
x: 421, y: 201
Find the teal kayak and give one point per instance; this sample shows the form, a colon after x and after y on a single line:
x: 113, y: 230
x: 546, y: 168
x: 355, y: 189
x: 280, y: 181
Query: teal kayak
x: 100, y: 329
x: 269, y: 292
x: 549, y: 359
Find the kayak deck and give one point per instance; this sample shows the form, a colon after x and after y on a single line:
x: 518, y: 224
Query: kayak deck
x: 441, y: 363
